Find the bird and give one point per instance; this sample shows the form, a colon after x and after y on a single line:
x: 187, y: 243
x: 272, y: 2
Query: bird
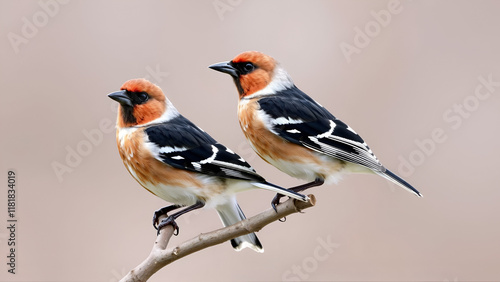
x: 177, y: 161
x: 293, y: 132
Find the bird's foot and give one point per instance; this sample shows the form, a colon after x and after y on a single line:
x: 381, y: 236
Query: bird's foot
x: 276, y: 201
x: 160, y: 212
x: 168, y: 221
x: 296, y: 189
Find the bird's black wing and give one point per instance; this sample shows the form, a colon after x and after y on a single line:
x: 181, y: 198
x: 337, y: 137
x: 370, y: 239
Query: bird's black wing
x: 181, y: 144
x: 297, y: 118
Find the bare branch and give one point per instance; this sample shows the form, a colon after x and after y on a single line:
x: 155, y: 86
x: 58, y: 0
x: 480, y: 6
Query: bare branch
x: 160, y: 256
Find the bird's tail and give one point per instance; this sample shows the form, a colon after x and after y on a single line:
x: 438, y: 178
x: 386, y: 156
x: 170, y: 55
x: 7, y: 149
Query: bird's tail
x: 281, y: 190
x: 397, y: 180
x: 231, y: 213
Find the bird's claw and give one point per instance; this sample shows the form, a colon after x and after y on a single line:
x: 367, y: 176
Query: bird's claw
x: 168, y: 221
x: 155, y: 219
x: 160, y: 212
x: 276, y: 201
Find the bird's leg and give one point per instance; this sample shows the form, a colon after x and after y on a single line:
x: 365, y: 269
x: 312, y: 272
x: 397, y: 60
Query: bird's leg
x: 170, y: 220
x: 316, y: 182
x: 161, y: 212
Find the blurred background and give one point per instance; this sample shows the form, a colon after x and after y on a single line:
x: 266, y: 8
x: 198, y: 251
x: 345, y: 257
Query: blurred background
x: 419, y: 80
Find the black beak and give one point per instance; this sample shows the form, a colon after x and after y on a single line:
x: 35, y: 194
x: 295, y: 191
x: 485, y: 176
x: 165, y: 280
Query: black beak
x: 121, y: 97
x: 226, y: 68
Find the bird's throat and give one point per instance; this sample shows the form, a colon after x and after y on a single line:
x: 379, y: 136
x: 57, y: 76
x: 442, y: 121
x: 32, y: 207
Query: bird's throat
x: 127, y: 114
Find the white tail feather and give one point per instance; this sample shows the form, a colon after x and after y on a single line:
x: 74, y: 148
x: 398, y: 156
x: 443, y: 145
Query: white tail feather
x: 231, y: 213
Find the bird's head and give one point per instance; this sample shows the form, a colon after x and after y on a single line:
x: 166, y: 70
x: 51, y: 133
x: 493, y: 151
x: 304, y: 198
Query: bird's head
x: 140, y: 102
x: 254, y: 71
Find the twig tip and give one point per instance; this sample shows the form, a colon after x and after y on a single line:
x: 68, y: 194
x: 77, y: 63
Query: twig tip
x: 312, y: 199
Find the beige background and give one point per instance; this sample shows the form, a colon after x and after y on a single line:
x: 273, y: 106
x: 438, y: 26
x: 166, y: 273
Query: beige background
x: 94, y: 224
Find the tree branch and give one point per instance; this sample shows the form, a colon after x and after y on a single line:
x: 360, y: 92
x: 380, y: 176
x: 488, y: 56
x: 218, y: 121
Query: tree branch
x: 160, y: 256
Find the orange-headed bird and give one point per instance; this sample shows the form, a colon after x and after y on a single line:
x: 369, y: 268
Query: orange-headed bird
x: 291, y: 131
x: 180, y: 163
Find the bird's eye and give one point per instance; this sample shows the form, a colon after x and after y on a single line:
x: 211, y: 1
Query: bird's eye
x: 248, y: 67
x: 142, y: 97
